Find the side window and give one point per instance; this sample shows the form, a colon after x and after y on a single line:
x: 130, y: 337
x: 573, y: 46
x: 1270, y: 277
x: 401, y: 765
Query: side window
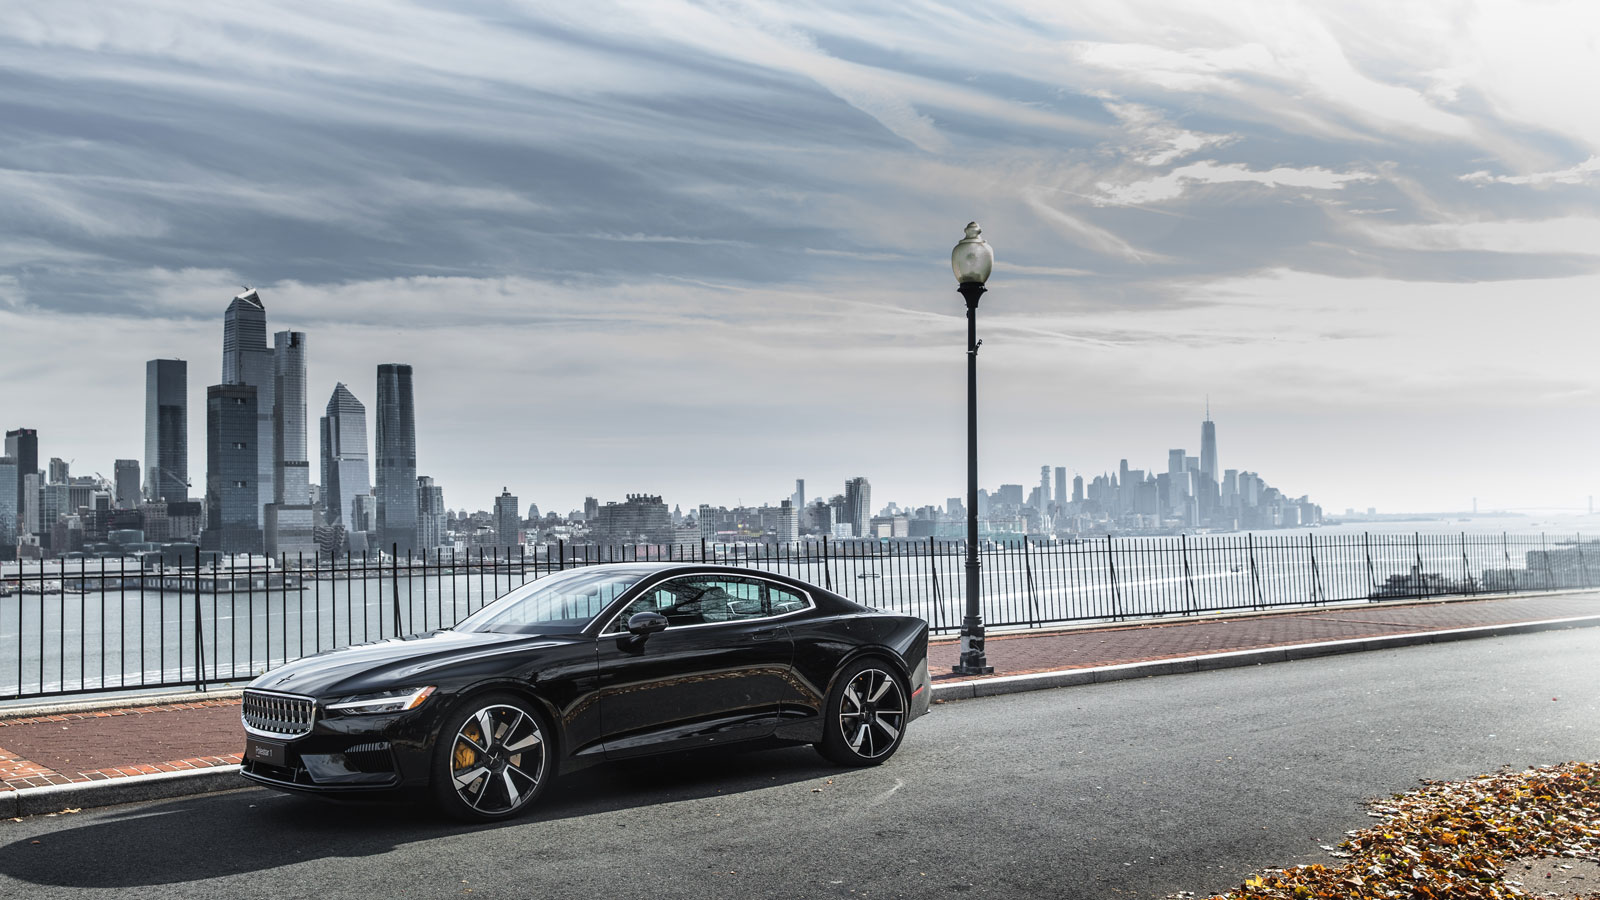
x: 783, y: 600
x: 699, y: 600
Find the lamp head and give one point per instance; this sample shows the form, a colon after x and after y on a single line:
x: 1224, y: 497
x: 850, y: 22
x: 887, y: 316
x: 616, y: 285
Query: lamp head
x: 972, y: 259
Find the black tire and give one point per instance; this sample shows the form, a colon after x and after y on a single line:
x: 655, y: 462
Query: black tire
x: 483, y: 780
x: 866, y: 716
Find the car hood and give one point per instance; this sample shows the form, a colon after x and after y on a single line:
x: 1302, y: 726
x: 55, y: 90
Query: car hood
x: 394, y: 662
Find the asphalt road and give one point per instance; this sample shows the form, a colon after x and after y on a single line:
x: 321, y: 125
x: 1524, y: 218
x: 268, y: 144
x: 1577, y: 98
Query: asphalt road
x: 1128, y: 789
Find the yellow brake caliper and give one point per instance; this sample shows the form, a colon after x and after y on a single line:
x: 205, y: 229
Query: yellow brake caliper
x: 465, y: 755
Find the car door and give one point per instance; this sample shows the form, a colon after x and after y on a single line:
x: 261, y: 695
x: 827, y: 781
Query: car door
x: 715, y: 675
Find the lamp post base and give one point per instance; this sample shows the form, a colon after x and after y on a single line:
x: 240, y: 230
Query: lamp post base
x: 973, y: 661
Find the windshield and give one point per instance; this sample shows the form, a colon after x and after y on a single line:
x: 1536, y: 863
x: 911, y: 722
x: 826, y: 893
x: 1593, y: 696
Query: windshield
x: 560, y: 603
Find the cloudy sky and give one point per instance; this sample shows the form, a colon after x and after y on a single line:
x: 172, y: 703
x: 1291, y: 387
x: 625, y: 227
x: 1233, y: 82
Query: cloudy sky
x: 701, y: 249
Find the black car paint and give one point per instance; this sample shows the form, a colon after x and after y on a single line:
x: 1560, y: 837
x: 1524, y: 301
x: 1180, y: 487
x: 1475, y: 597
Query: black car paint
x: 605, y: 696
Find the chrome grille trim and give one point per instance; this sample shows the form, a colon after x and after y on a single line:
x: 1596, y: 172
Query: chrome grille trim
x: 277, y: 715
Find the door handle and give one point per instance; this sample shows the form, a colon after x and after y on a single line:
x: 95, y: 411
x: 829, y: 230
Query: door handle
x: 765, y: 634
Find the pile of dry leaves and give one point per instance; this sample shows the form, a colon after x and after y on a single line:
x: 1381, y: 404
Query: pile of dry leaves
x: 1459, y: 840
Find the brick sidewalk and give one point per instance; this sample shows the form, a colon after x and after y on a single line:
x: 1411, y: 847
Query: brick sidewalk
x: 1169, y: 638
x: 118, y: 743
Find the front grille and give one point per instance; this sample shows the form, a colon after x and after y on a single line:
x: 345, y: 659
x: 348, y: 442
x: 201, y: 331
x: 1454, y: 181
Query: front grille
x: 280, y: 715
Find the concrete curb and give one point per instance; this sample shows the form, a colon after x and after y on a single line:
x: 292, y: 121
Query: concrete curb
x: 167, y: 785
x: 133, y: 789
x: 1016, y: 684
x: 67, y: 707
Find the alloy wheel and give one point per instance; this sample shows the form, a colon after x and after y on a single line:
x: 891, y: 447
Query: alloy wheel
x: 872, y: 713
x: 497, y: 759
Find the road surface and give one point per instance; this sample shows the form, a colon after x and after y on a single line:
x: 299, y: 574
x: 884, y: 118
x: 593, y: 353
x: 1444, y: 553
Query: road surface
x: 1128, y: 789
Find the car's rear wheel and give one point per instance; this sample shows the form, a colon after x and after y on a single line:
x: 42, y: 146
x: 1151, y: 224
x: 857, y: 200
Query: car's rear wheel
x: 866, y: 715
x: 493, y: 758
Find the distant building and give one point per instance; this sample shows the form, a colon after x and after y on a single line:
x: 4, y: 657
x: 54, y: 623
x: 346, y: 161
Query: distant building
x: 22, y: 445
x: 31, y: 500
x: 290, y: 522
x: 1008, y: 495
x: 246, y: 359
x: 507, y: 519
x: 431, y: 513
x: 10, y: 511
x: 858, y: 505
x: 125, y: 473
x: 166, y: 430
x: 643, y: 518
x: 1208, y: 447
x: 345, y: 473
x: 788, y: 522
x: 292, y: 467
x: 232, y: 467
x: 591, y: 509
x: 396, y: 459
x: 60, y: 471
x: 799, y: 496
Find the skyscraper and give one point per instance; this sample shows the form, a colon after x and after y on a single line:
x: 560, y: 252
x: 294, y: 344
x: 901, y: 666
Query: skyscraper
x: 397, y: 459
x: 507, y: 519
x: 430, y: 514
x: 1061, y: 486
x: 788, y: 530
x: 291, y: 467
x: 166, y: 430
x: 290, y: 521
x: 233, y: 517
x: 125, y: 472
x: 246, y: 359
x: 1208, y: 446
x: 345, y: 475
x: 858, y: 504
x: 1044, y: 488
x: 10, y: 509
x: 22, y: 445
x: 799, y: 497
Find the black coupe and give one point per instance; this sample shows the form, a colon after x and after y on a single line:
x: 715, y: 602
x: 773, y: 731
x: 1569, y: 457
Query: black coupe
x: 599, y: 663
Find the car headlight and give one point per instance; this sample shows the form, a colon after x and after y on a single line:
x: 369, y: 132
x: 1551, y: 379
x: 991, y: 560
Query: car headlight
x: 383, y: 701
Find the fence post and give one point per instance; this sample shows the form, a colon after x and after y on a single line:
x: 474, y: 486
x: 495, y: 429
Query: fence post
x: 1505, y: 553
x: 1419, y: 589
x: 827, y: 570
x: 1544, y: 554
x: 199, y: 632
x: 1255, y: 576
x: 1188, y: 578
x: 1583, y: 564
x: 1116, y: 590
x: 394, y: 569
x: 1318, y: 594
x: 1466, y: 567
x: 1372, y: 577
x: 1033, y: 595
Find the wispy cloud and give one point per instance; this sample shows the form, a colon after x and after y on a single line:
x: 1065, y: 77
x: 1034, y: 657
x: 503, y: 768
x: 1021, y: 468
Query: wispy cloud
x: 736, y: 197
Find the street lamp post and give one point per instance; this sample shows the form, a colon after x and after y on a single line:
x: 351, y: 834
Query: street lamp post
x: 971, y: 260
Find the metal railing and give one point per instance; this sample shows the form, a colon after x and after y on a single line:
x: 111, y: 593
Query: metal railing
x: 92, y: 625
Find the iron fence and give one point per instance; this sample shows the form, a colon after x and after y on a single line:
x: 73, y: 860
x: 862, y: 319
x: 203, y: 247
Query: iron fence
x: 92, y: 625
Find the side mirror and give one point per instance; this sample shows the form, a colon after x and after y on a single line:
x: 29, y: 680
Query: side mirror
x: 643, y: 624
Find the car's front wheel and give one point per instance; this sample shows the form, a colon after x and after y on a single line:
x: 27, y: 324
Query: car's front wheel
x: 492, y: 760
x: 867, y: 714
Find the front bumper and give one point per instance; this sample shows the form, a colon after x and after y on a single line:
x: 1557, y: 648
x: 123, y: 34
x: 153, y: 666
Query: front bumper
x: 342, y: 754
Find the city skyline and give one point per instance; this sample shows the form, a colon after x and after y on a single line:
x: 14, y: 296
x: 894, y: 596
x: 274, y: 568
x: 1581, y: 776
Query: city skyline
x: 1364, y: 232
